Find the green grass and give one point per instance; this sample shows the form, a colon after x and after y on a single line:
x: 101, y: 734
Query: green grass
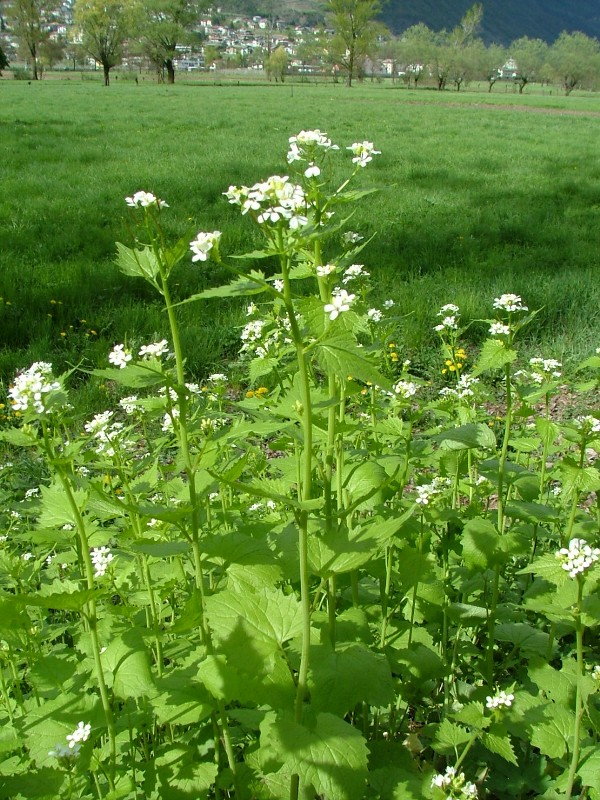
x: 475, y: 201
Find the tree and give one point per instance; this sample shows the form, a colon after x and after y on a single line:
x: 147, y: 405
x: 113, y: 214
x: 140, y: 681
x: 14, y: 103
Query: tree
x: 164, y: 25
x: 30, y: 22
x: 490, y: 61
x: 355, y: 31
x: 3, y: 60
x: 52, y: 51
x: 529, y: 56
x: 277, y: 64
x: 575, y: 59
x: 104, y: 26
x: 415, y: 51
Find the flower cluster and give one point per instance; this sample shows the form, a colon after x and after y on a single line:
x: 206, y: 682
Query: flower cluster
x: 71, y: 749
x: 499, y: 700
x: 104, y: 432
x: 405, y: 389
x: 462, y: 390
x: 363, y: 153
x: 145, y: 200
x: 305, y: 144
x: 154, y: 350
x: 499, y: 329
x: 542, y: 371
x: 80, y: 734
x: 275, y: 200
x: 426, y: 491
x: 510, y: 303
x: 31, y: 388
x: 353, y: 272
x: 454, y: 784
x: 577, y: 557
x: 450, y: 314
x: 101, y: 558
x: 203, y: 244
x: 588, y: 424
x: 340, y: 302
x: 120, y: 356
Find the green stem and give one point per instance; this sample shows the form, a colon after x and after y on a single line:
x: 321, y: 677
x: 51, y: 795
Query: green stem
x: 579, y: 629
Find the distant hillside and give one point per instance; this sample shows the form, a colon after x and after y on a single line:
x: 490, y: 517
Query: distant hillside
x: 503, y: 20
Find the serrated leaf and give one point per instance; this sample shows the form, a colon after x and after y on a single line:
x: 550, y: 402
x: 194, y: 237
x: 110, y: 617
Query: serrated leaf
x: 480, y: 544
x: 63, y: 601
x: 468, y: 436
x: 551, y: 736
x: 56, y: 509
x: 499, y: 744
x: 271, y: 615
x: 138, y: 262
x: 449, y: 737
x: 589, y: 767
x: 240, y: 287
x: 494, y: 355
x: 339, y: 680
x: 134, y: 376
x: 330, y: 755
x: 18, y: 437
x: 342, y: 356
x: 127, y: 666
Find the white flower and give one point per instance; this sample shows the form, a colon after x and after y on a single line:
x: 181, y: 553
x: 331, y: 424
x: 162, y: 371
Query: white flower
x: 354, y: 271
x: 119, y: 356
x: 27, y: 556
x: 425, y: 491
x: 154, y: 350
x: 312, y: 171
x: 31, y: 387
x: 577, y: 557
x: 64, y: 751
x: 306, y: 142
x: 510, y: 302
x: 128, y: 404
x: 449, y: 323
x: 589, y: 423
x: 499, y: 699
x: 406, y: 389
x: 340, y: 302
x: 80, y: 734
x: 499, y: 329
x: 101, y: 558
x: 144, y: 200
x: 449, y: 308
x: 375, y: 315
x: 455, y: 783
x: 324, y: 270
x: 217, y: 377
x: 363, y: 153
x: 388, y: 303
x: 351, y: 237
x: 278, y: 284
x: 203, y: 244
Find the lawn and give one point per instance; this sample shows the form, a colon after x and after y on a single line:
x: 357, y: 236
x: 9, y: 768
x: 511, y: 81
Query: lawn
x: 480, y: 194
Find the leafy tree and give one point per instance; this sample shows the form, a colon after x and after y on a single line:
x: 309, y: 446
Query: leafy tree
x: 163, y: 25
x: 415, y: 50
x: 575, y: 59
x: 529, y: 56
x: 104, y: 26
x: 355, y: 31
x: 29, y: 21
x: 3, y: 60
x: 277, y: 64
x: 52, y: 51
x: 489, y: 62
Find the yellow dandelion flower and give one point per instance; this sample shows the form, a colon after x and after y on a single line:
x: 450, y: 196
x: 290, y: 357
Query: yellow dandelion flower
x: 249, y: 393
x: 261, y: 391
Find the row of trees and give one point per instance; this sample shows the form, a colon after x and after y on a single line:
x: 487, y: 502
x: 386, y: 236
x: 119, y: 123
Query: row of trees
x: 352, y: 40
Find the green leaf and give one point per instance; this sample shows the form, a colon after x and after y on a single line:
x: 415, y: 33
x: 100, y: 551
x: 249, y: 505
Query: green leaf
x: 481, y: 544
x: 270, y: 614
x: 494, y: 355
x: 138, y: 263
x: 181, y: 700
x: 500, y: 744
x: 532, y: 512
x: 56, y: 509
x: 552, y: 735
x: 468, y: 436
x: 449, y: 737
x: 134, y: 376
x: 330, y: 755
x: 128, y: 666
x: 63, y: 601
x: 181, y: 775
x: 529, y: 640
x: 255, y: 283
x: 351, y: 674
x: 341, y: 356
x: 18, y: 437
x: 589, y: 767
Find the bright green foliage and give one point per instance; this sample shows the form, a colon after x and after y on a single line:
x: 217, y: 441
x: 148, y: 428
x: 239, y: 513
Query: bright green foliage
x: 332, y: 581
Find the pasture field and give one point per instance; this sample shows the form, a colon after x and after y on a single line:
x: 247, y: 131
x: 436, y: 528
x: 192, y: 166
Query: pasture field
x: 480, y: 194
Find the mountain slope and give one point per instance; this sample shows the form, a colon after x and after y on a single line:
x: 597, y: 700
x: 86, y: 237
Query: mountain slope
x: 503, y: 20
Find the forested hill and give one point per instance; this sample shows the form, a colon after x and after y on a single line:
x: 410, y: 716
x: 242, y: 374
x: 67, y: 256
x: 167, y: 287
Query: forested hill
x: 503, y: 20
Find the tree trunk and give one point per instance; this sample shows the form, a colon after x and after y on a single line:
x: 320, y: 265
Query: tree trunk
x: 170, y: 70
x: 106, y: 70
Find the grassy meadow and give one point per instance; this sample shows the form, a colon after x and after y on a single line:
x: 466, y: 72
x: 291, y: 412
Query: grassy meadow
x: 480, y: 194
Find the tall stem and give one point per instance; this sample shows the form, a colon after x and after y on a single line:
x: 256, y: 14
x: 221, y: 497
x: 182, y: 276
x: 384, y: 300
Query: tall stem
x: 579, y: 629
